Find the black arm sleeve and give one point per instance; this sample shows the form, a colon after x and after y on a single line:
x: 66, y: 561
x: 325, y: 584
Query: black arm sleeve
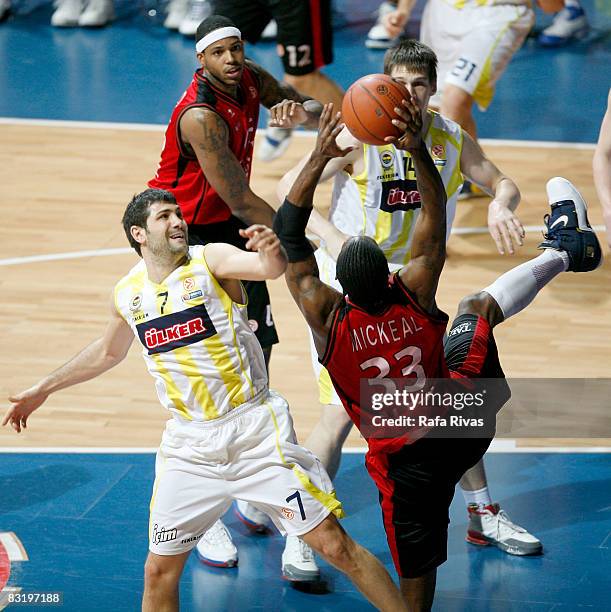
x: 290, y: 225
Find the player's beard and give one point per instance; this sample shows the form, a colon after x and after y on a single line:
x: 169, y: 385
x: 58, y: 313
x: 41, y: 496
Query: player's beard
x: 164, y: 247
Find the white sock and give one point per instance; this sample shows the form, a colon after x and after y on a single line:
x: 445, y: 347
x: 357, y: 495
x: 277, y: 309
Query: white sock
x: 516, y: 289
x: 481, y: 497
x: 572, y: 3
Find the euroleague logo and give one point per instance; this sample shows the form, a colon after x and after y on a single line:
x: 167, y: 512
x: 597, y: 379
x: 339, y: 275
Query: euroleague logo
x: 11, y: 550
x: 288, y: 513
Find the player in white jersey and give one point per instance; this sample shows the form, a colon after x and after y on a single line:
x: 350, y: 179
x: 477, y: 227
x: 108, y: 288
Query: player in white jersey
x: 374, y: 194
x: 474, y: 41
x: 229, y: 437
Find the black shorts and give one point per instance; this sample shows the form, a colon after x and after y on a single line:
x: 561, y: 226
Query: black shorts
x: 416, y: 484
x: 304, y: 29
x: 259, y: 307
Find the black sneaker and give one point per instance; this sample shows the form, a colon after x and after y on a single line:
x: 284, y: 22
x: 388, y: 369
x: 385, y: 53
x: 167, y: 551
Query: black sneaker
x: 568, y: 228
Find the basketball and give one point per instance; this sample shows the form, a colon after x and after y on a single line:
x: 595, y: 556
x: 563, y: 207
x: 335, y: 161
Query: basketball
x: 369, y: 107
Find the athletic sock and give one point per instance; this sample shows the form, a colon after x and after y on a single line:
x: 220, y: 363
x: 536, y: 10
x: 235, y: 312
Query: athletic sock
x: 516, y: 289
x: 572, y: 4
x: 480, y: 497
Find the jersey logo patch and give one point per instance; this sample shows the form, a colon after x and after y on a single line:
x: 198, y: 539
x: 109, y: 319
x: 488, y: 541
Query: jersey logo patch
x: 175, y: 330
x: 400, y: 194
x: 386, y: 159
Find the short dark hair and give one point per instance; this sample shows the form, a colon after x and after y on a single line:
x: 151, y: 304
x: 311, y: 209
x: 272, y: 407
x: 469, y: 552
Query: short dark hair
x: 413, y: 55
x: 214, y: 22
x: 137, y: 212
x: 362, y: 270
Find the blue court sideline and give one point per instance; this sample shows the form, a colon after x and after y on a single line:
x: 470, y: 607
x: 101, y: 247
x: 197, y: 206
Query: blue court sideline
x: 83, y: 521
x: 135, y: 71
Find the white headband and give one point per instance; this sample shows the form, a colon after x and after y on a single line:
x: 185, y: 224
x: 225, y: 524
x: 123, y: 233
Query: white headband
x: 216, y: 35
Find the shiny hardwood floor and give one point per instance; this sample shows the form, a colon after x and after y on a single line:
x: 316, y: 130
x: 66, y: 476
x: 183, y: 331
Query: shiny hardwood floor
x: 64, y: 189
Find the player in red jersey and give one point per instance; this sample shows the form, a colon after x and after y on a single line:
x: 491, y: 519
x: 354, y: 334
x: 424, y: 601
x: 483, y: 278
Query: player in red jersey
x: 386, y: 326
x: 207, y: 155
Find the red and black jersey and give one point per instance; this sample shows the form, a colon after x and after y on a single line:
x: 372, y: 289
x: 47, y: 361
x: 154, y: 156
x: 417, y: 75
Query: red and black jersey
x: 179, y: 170
x: 404, y: 341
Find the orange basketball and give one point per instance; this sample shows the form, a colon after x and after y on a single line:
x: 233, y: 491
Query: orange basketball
x: 369, y: 107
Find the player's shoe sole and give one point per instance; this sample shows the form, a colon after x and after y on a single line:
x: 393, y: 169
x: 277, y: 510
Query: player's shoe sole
x: 520, y: 550
x: 214, y: 563
x: 254, y: 526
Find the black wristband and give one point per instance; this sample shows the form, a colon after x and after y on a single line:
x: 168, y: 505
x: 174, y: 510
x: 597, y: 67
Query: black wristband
x: 290, y: 225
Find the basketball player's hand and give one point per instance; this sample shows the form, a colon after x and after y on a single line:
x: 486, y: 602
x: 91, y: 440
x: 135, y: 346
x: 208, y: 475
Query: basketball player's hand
x: 287, y: 114
x: 261, y: 238
x: 329, y: 127
x: 23, y: 405
x: 505, y: 228
x: 394, y: 22
x: 272, y: 256
x: 410, y: 123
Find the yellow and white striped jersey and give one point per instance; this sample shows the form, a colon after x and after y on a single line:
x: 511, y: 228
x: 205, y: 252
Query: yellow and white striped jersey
x: 460, y: 4
x: 196, y: 341
x: 383, y: 201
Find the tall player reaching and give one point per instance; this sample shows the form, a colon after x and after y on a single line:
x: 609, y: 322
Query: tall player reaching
x: 361, y: 204
x: 410, y: 476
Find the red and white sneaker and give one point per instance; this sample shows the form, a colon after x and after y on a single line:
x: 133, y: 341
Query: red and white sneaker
x: 216, y: 547
x: 491, y: 525
x: 254, y: 519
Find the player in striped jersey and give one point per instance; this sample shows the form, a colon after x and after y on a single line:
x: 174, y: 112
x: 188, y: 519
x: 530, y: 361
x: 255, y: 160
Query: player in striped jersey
x: 229, y: 437
x: 375, y: 194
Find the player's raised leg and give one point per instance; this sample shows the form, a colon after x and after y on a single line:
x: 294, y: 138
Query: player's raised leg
x: 570, y: 244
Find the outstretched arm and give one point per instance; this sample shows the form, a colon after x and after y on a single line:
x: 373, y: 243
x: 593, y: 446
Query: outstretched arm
x: 101, y: 355
x: 268, y: 260
x: 428, y: 252
x: 316, y: 300
x: 332, y: 237
x: 602, y: 168
x: 208, y: 136
x: 288, y: 108
x: 503, y: 224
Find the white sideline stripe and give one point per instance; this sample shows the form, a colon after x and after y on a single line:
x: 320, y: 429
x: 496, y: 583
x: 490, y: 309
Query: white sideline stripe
x: 15, y: 261
x: 70, y: 255
x: 88, y: 125
x: 155, y: 127
x: 85, y: 450
x: 497, y: 446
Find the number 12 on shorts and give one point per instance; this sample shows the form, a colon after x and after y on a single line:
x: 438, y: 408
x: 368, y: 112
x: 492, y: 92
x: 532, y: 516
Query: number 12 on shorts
x: 463, y: 68
x: 297, y: 496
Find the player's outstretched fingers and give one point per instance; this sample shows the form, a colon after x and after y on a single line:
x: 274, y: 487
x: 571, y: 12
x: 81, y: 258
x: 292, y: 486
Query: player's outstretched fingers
x: 517, y: 231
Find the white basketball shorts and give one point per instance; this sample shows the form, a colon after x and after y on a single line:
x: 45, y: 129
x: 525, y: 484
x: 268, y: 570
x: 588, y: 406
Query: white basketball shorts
x: 250, y: 454
x: 473, y: 44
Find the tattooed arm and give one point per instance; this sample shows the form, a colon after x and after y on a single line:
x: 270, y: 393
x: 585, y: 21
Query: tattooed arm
x: 288, y: 107
x: 207, y: 134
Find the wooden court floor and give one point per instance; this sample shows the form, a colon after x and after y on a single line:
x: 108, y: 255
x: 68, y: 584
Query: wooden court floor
x: 64, y: 189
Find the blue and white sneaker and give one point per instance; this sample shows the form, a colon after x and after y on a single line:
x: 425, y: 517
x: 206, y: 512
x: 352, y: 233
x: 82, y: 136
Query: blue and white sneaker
x: 568, y: 228
x: 569, y: 24
x: 274, y: 144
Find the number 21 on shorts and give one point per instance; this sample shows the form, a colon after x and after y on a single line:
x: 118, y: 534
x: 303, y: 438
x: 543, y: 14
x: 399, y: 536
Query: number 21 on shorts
x: 463, y: 69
